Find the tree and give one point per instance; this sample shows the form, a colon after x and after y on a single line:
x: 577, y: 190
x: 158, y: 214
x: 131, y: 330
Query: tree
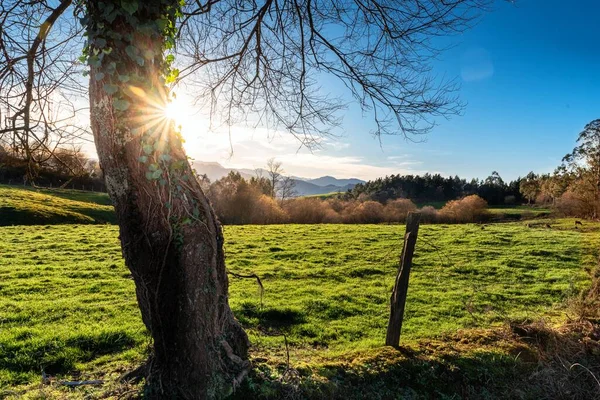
x: 584, y: 163
x: 287, y: 188
x: 275, y: 171
x: 39, y: 113
x: 258, y: 62
x: 530, y: 187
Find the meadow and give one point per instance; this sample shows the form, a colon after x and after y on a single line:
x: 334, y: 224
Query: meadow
x: 67, y: 303
x: 23, y: 205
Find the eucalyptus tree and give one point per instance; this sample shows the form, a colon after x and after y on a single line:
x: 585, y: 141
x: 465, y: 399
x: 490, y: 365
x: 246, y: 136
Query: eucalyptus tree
x: 255, y: 62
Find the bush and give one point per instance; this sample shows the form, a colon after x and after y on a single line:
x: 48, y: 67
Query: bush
x: 368, y: 212
x: 309, y: 211
x: 468, y: 209
x: 572, y: 205
x: 429, y: 214
x: 267, y: 211
x: 397, y: 210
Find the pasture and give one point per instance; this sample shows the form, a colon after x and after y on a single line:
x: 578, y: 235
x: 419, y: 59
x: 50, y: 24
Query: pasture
x: 67, y: 302
x: 22, y: 205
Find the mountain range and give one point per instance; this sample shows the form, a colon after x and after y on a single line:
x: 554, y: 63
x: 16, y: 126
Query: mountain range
x: 304, y: 186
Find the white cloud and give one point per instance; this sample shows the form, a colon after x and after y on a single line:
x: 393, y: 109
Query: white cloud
x: 251, y: 148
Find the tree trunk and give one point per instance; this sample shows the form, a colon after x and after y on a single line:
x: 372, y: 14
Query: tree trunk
x: 171, y: 239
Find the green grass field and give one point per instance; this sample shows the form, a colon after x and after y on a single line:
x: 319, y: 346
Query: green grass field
x: 67, y: 301
x: 30, y: 206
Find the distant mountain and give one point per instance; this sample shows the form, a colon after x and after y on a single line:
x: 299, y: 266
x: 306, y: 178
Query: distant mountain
x: 216, y: 171
x: 330, y: 180
x: 304, y: 187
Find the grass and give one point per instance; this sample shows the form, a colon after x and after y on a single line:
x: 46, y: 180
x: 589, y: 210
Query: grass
x: 518, y: 212
x: 68, y: 303
x: 30, y: 206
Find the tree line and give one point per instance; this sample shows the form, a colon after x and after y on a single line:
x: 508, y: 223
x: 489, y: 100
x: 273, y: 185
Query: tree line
x: 269, y: 200
x: 573, y: 189
x: 436, y: 188
x: 65, y: 167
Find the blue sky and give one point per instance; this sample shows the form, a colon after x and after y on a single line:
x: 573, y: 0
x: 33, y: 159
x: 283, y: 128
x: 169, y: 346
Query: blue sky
x: 529, y: 73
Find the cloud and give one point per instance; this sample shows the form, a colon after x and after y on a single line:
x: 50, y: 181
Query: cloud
x: 251, y: 148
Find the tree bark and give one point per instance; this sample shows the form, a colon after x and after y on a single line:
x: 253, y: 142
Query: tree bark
x: 171, y: 239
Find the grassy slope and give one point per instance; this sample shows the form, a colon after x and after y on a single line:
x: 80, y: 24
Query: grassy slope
x: 67, y: 302
x: 27, y: 206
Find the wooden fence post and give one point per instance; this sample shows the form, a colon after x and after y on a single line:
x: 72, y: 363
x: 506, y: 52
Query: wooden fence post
x: 398, y: 298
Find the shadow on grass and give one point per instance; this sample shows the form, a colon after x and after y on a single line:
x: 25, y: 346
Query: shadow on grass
x: 57, y: 356
x: 530, y: 361
x: 251, y: 315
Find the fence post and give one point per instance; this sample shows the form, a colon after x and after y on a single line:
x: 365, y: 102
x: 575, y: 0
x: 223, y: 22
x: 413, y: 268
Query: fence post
x: 398, y: 298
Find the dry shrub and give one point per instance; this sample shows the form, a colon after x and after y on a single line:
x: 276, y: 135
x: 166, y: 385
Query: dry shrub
x: 543, y: 198
x: 266, y: 210
x: 369, y: 212
x: 468, y: 209
x: 429, y: 214
x: 571, y: 204
x: 308, y: 211
x: 397, y: 210
x: 566, y: 358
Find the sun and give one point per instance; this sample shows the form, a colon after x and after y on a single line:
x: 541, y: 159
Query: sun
x: 178, y: 112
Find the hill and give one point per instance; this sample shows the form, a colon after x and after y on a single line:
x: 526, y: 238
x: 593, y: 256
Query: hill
x: 304, y: 187
x: 330, y: 180
x: 31, y: 206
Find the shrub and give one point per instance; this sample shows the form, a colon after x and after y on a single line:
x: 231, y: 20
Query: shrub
x: 468, y: 209
x: 573, y: 205
x: 267, y: 211
x: 397, y: 210
x: 308, y: 211
x: 369, y: 212
x: 429, y: 214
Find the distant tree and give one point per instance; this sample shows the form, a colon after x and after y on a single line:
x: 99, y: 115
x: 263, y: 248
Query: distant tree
x: 493, y: 189
x: 274, y: 171
x: 530, y: 187
x: 584, y: 162
x: 286, y: 189
x: 263, y: 185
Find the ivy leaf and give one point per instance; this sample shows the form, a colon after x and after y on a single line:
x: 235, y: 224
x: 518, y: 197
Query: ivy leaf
x: 131, y: 51
x: 129, y: 6
x: 162, y: 24
x: 94, y: 61
x: 110, y: 89
x: 148, y: 148
x: 124, y: 78
x: 100, y: 42
x: 99, y: 76
x: 173, y: 75
x: 120, y: 104
x: 143, y: 159
x: 165, y: 157
x: 157, y: 174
